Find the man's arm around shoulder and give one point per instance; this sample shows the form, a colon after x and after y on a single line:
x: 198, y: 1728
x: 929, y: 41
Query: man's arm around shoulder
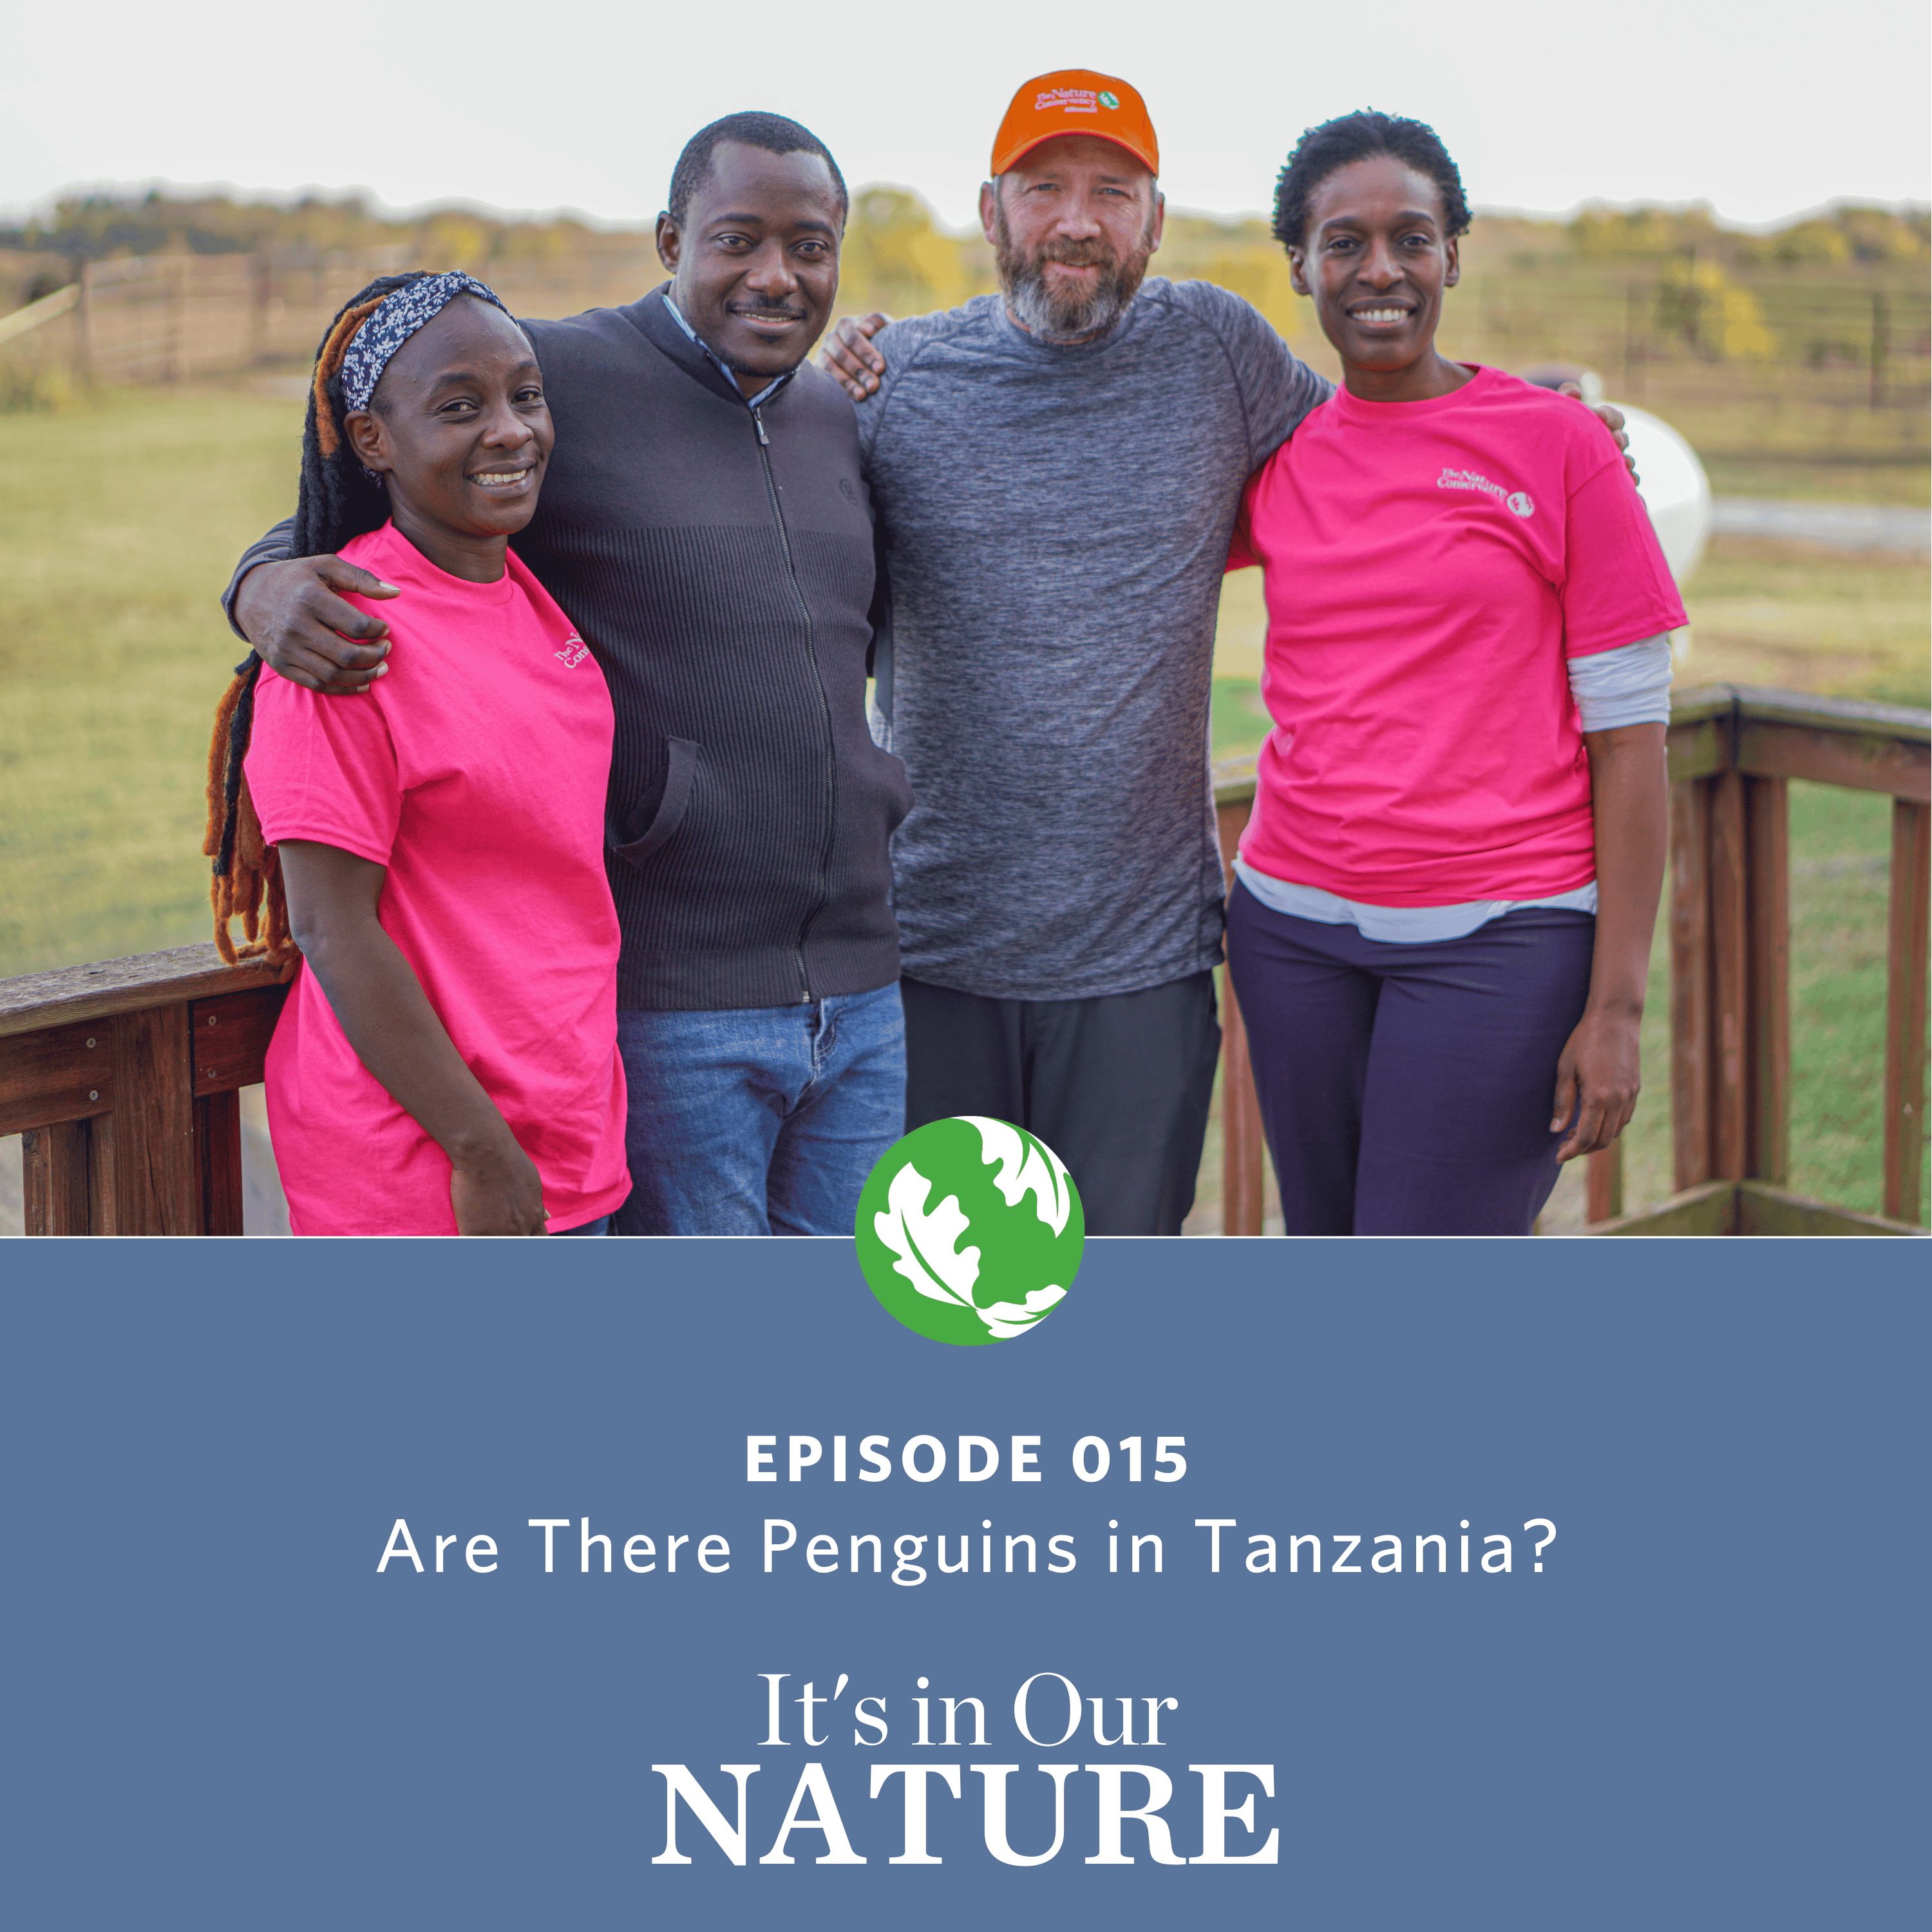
x: 290, y: 609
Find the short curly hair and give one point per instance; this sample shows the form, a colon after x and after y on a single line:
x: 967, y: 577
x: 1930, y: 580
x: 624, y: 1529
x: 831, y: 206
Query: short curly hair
x: 1355, y: 137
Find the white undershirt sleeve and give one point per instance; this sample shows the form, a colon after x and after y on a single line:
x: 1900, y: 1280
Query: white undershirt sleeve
x: 1629, y: 685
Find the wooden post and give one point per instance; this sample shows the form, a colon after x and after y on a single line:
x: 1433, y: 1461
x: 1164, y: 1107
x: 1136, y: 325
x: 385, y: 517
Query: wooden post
x: 262, y: 288
x: 1242, y: 1150
x: 1690, y: 1100
x: 1604, y: 1184
x: 156, y: 1190
x: 1906, y: 965
x: 1730, y: 978
x: 179, y: 371
x: 218, y: 1150
x: 84, y: 327
x: 1880, y: 343
x: 1768, y: 841
x: 101, y: 1176
x: 55, y: 1164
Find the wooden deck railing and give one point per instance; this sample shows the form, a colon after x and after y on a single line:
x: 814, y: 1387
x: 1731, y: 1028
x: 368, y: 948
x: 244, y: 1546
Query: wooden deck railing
x: 122, y: 1079
x: 1733, y: 751
x: 123, y: 1076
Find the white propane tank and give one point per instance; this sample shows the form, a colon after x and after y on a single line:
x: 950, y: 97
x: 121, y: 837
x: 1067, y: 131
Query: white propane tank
x: 1675, y: 489
x: 1672, y: 481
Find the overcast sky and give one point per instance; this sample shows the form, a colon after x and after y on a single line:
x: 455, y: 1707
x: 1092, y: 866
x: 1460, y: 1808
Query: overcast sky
x: 1761, y: 109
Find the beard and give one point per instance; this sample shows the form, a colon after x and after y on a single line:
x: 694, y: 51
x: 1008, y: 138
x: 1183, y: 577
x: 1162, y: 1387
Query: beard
x: 1065, y: 314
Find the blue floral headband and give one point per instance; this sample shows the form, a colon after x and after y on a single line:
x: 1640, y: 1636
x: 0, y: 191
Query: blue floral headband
x: 391, y: 324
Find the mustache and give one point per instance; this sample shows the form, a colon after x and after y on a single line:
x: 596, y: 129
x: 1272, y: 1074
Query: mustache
x: 772, y: 308
x: 1066, y: 316
x: 1095, y: 254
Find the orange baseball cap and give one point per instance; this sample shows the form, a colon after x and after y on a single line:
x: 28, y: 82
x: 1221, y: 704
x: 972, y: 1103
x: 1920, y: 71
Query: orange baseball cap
x: 1076, y: 101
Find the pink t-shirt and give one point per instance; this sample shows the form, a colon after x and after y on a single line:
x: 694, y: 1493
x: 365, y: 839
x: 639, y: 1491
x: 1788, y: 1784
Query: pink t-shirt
x: 476, y: 771
x: 1431, y: 567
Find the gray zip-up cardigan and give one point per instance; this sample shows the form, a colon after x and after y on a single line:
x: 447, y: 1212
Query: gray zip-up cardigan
x: 719, y: 561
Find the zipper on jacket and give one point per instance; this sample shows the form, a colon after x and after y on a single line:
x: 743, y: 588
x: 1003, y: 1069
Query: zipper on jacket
x: 824, y: 705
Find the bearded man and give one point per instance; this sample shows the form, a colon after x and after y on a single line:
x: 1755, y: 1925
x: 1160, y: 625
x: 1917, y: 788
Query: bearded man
x: 1056, y: 470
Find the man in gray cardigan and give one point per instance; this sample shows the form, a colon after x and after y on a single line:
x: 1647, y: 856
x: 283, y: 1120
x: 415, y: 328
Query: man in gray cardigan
x: 705, y: 523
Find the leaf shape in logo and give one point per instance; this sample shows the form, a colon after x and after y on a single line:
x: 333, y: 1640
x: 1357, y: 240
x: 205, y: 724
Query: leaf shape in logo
x: 1008, y: 1319
x: 1026, y: 1166
x: 927, y: 1244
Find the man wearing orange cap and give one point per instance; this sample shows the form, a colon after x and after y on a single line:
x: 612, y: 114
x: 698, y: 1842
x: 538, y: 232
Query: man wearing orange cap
x: 1056, y: 469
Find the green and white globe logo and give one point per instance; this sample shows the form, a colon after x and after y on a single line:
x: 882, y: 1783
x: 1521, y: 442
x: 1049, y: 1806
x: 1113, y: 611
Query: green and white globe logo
x: 969, y: 1231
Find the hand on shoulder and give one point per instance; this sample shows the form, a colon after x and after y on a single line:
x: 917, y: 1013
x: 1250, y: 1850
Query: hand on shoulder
x: 850, y: 358
x: 1611, y: 417
x: 295, y: 613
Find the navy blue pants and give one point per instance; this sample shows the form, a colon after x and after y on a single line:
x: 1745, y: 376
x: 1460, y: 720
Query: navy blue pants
x: 1406, y: 1090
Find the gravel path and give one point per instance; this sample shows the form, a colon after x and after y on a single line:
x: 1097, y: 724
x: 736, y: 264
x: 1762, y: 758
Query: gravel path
x: 1841, y: 526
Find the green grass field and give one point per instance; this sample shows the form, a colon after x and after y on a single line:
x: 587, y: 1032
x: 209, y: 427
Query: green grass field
x: 118, y: 526
x: 119, y: 522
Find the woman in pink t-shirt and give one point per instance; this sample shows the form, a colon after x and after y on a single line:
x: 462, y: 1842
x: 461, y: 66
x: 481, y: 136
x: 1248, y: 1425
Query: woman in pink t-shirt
x: 1440, y: 929
x: 446, y: 1061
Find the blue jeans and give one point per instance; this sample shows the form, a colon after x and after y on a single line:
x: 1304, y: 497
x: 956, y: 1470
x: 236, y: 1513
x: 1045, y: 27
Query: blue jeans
x: 765, y: 1120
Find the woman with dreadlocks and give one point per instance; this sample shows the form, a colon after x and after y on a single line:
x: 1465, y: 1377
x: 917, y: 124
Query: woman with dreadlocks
x: 447, y: 1062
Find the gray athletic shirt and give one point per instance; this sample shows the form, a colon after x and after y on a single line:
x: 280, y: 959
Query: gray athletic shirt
x: 1055, y: 521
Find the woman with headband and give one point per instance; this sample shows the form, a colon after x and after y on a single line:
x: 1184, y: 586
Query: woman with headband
x: 447, y: 1061
x: 1440, y: 926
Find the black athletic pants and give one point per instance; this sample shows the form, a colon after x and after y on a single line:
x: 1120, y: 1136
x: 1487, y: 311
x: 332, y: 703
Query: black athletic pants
x: 1406, y: 1089
x: 1118, y: 1085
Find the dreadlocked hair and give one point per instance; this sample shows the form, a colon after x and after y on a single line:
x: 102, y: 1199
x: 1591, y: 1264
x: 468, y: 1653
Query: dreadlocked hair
x: 336, y: 499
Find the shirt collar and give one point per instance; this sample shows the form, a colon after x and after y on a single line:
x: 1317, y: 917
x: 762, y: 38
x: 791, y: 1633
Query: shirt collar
x: 764, y: 395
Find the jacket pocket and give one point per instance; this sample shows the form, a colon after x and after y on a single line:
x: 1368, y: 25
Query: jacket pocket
x: 671, y: 806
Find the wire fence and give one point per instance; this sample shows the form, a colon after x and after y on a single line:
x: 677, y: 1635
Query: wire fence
x: 172, y: 318
x: 1848, y: 343
x: 1842, y: 356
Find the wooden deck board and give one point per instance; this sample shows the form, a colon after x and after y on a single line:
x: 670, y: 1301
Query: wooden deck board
x: 108, y: 986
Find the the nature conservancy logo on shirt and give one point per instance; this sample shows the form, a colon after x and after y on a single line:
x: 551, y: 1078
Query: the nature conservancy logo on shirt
x: 1517, y: 500
x: 575, y: 651
x: 969, y: 1231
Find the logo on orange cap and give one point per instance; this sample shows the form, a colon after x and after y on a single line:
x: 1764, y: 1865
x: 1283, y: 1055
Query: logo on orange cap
x: 1074, y: 101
